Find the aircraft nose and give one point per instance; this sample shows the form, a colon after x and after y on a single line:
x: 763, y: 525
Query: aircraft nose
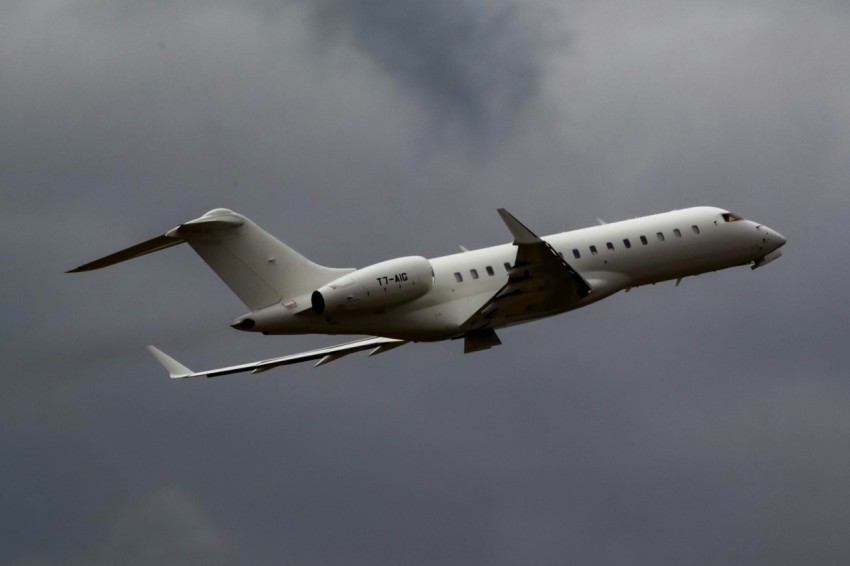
x: 777, y: 239
x: 771, y: 238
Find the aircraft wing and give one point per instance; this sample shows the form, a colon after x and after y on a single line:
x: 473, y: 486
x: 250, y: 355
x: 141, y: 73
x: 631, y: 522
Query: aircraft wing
x: 376, y: 344
x: 540, y: 281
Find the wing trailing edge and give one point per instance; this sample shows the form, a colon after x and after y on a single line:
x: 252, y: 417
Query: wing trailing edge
x: 376, y: 345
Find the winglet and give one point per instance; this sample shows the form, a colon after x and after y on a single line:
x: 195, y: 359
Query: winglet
x: 176, y: 370
x: 521, y: 234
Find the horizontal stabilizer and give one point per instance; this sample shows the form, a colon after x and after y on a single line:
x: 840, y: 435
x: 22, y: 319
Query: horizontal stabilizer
x: 147, y: 247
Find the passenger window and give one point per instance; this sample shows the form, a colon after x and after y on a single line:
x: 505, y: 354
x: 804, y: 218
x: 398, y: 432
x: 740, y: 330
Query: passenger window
x: 695, y: 228
x: 643, y: 240
x: 593, y: 250
x: 627, y: 243
x: 660, y: 236
x: 490, y: 271
x: 610, y: 246
x: 677, y: 233
x: 474, y: 273
x: 507, y: 267
x: 458, y: 277
x: 576, y: 254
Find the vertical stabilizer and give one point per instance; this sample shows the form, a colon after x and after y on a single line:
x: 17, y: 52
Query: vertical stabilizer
x: 259, y: 268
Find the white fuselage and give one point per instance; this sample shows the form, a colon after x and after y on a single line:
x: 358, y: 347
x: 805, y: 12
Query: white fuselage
x: 610, y: 257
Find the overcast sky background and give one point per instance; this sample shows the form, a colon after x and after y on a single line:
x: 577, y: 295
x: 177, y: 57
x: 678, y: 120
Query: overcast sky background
x: 704, y: 424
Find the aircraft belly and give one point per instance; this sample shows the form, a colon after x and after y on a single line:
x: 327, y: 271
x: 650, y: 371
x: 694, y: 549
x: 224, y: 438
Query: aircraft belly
x: 685, y: 264
x: 430, y: 323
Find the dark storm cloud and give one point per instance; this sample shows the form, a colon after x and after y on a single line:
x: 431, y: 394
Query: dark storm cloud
x: 473, y: 64
x: 699, y: 424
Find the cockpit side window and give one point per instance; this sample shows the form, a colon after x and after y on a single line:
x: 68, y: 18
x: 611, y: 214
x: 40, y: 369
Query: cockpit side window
x: 731, y: 217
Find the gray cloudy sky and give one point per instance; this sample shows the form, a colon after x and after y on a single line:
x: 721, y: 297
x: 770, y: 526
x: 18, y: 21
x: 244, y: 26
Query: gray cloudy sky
x: 705, y: 424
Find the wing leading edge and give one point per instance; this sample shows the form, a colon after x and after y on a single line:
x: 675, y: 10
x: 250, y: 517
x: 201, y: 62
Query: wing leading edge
x: 539, y: 282
x: 376, y: 344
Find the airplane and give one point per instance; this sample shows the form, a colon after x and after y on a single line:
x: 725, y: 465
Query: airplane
x: 467, y: 295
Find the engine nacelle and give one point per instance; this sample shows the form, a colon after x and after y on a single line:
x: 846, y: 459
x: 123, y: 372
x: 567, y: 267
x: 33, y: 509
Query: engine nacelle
x: 386, y: 284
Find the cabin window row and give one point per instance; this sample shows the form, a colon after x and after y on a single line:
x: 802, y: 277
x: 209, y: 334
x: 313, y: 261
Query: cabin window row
x: 473, y: 273
x: 627, y: 243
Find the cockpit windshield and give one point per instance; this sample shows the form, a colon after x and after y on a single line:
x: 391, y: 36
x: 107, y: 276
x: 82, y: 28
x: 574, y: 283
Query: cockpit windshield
x: 731, y: 217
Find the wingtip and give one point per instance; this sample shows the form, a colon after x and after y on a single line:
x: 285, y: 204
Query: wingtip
x: 176, y: 370
x: 520, y: 232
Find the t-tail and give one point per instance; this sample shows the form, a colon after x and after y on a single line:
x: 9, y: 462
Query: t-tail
x: 259, y: 268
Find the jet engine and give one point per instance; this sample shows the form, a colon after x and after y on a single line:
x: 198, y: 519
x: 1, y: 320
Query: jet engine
x: 386, y: 284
